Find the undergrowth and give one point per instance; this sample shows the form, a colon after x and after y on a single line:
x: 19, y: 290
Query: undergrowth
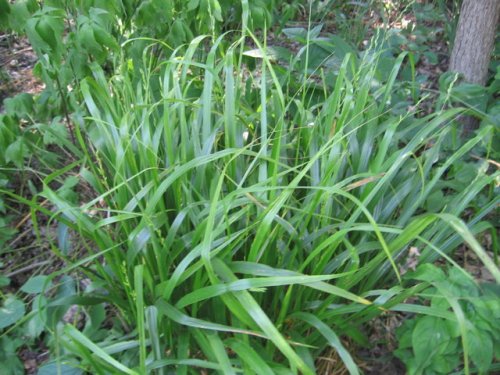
x: 251, y: 221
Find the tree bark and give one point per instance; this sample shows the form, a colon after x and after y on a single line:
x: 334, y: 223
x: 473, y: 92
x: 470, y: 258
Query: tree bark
x: 474, y: 39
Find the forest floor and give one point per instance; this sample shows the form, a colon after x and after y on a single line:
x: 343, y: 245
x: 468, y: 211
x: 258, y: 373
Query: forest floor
x: 17, y: 60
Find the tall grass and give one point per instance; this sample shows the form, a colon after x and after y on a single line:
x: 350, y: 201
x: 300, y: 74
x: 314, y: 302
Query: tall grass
x: 250, y: 229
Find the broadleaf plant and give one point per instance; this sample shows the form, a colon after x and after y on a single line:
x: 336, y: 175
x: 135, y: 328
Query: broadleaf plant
x: 436, y: 345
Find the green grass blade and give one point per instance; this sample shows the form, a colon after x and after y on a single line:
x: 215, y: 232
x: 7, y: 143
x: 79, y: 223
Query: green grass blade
x: 99, y: 352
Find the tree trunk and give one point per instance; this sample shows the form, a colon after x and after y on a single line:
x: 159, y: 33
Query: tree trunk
x: 473, y: 45
x: 474, y: 39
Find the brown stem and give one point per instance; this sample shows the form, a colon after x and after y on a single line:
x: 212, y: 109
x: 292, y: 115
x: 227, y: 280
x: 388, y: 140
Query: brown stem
x: 65, y: 110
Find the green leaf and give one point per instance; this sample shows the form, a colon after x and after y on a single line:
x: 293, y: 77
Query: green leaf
x: 436, y: 201
x: 186, y: 362
x: 192, y: 5
x: 427, y: 272
x: 67, y: 190
x: 466, y: 172
x: 11, y: 312
x: 216, y: 10
x: 58, y: 368
x: 332, y: 339
x: 16, y: 152
x: 36, y: 284
x: 55, y: 133
x: 220, y: 353
x: 262, y: 320
x: 429, y: 338
x: 177, y: 316
x: 271, y: 52
x: 468, y: 237
x: 480, y: 348
x: 4, y: 281
x: 20, y: 106
x: 431, y: 57
x: 19, y: 15
x: 45, y: 28
x: 105, y: 38
x: 4, y: 14
x: 80, y: 338
x: 4, y: 7
x: 296, y: 33
x: 250, y: 283
x: 88, y: 40
x: 64, y: 238
x: 250, y: 356
x: 9, y: 361
x: 445, y: 364
x: 472, y: 95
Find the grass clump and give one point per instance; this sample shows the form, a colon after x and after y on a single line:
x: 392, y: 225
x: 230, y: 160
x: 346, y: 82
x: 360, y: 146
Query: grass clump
x: 240, y: 227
